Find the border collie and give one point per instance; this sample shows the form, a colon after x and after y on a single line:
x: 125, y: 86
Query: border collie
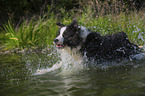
x: 79, y: 40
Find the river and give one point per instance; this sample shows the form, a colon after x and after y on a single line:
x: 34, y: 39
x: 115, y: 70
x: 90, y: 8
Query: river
x: 18, y: 76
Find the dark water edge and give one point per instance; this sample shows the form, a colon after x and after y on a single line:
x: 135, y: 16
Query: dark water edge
x: 17, y: 79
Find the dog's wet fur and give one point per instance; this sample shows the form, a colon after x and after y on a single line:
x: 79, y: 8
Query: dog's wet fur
x: 92, y: 44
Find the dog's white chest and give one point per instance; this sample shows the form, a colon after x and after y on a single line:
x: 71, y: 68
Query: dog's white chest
x: 71, y: 60
x: 70, y: 55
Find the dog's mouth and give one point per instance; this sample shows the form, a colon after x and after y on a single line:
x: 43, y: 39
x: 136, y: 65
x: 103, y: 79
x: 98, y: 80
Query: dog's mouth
x: 60, y: 46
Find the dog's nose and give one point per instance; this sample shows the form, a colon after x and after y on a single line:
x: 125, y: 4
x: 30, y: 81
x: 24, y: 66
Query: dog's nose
x: 56, y: 40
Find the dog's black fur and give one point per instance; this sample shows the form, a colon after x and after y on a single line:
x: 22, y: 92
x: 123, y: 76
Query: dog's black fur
x: 108, y: 47
x: 95, y: 46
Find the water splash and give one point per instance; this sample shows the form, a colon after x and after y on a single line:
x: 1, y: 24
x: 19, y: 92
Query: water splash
x: 140, y: 56
x: 68, y: 63
x: 61, y: 61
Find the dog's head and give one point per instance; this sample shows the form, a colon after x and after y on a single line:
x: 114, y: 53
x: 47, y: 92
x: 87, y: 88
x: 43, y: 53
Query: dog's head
x: 68, y: 35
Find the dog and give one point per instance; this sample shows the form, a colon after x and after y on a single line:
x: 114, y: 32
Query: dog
x: 79, y: 40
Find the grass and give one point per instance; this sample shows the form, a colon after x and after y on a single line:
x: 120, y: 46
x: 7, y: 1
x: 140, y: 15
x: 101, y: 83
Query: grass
x: 41, y: 32
x: 30, y: 33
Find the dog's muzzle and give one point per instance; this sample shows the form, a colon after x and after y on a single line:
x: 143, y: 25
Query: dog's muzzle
x: 58, y: 43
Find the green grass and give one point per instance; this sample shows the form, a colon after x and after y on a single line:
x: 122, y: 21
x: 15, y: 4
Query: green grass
x: 41, y: 32
x: 30, y: 33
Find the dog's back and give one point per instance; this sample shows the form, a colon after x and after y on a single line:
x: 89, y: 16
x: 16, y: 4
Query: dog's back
x: 108, y: 47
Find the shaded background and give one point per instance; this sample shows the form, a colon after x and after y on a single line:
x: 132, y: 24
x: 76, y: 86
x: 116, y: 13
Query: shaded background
x: 17, y: 9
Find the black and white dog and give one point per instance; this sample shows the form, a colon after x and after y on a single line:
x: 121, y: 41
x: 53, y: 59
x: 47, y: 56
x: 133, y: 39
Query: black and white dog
x: 92, y: 44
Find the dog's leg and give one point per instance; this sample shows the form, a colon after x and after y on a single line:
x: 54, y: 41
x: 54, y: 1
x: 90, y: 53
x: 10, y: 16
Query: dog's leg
x: 54, y: 67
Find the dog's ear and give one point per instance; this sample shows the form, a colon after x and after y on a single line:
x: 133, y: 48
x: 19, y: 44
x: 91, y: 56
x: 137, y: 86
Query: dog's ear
x: 74, y: 23
x: 60, y: 25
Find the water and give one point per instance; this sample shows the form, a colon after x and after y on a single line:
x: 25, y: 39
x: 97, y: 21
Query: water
x: 20, y: 76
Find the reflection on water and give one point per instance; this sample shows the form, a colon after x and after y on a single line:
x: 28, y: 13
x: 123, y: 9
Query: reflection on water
x: 124, y: 78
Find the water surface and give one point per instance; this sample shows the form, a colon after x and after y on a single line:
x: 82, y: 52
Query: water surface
x: 18, y: 77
